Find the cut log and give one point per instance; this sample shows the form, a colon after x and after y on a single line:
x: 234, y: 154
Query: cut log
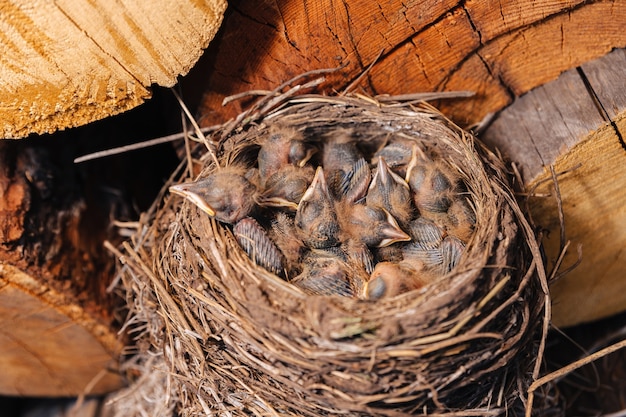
x: 577, y: 124
x: 497, y: 49
x: 66, y: 63
x: 57, y: 335
x: 49, y: 344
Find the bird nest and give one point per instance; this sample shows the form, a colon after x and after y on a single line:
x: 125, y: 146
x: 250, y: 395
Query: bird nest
x: 241, y: 338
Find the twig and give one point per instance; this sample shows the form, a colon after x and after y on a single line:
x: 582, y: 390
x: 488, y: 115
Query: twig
x: 138, y: 145
x: 249, y: 93
x: 572, y: 367
x: 209, y: 145
x: 424, y: 96
x: 362, y: 74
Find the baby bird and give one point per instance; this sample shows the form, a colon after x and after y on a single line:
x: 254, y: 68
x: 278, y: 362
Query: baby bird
x: 316, y: 219
x: 425, y: 246
x: 286, y: 187
x: 391, y: 192
x: 283, y: 232
x: 433, y: 184
x: 363, y: 227
x: 373, y: 226
x: 358, y: 254
x: 226, y: 194
x: 339, y: 152
x: 397, y: 155
x: 461, y: 219
x: 451, y: 250
x: 324, y: 273
x: 255, y: 241
x: 284, y: 146
x: 390, y: 279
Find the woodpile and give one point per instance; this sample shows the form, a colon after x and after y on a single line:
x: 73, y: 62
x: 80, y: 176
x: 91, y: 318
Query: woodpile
x: 54, y: 271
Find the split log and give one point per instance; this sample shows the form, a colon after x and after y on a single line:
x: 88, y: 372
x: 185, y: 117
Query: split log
x: 497, y: 49
x: 66, y: 63
x: 577, y: 124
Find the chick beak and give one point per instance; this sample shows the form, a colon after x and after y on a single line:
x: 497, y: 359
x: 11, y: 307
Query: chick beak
x: 309, y: 154
x: 391, y: 232
x: 318, y: 187
x: 191, y: 192
x: 416, y: 155
x: 383, y: 172
x: 278, y: 202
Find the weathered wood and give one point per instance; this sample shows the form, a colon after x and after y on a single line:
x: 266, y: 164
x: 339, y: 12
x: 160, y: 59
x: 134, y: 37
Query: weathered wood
x: 57, y: 332
x: 540, y: 126
x: 69, y: 62
x: 498, y: 49
x: 49, y: 345
x: 577, y: 124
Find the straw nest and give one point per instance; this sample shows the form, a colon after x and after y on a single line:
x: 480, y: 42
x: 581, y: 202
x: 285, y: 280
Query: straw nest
x: 239, y: 340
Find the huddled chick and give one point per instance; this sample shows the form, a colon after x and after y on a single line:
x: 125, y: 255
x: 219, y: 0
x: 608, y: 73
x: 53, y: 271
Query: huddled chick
x: 346, y: 227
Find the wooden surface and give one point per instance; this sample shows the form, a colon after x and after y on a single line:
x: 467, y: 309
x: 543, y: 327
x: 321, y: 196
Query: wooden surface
x: 577, y: 124
x: 499, y: 49
x: 49, y: 346
x: 69, y: 62
x: 57, y: 324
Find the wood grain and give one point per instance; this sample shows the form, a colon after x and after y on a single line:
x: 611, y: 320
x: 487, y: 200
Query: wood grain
x: 58, y: 332
x: 498, y: 49
x: 577, y: 124
x: 540, y: 126
x: 68, y: 62
x: 49, y: 345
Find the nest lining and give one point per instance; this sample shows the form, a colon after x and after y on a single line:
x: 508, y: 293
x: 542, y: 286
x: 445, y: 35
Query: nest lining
x: 241, y: 340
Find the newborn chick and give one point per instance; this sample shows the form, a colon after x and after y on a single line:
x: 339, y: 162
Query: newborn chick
x: 284, y: 146
x: 426, y: 244
x: 373, y: 226
x: 391, y: 192
x: 358, y: 254
x: 451, y: 250
x: 283, y: 233
x: 461, y: 219
x: 433, y: 184
x: 226, y: 194
x: 364, y: 227
x: 325, y: 273
x: 286, y: 187
x: 397, y: 155
x: 339, y: 152
x: 354, y: 183
x: 390, y: 279
x: 316, y: 219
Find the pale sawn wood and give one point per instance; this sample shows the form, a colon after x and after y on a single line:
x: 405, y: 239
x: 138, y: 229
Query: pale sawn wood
x: 68, y: 62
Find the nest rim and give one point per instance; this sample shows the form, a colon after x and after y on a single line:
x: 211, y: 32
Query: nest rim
x: 342, y: 338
